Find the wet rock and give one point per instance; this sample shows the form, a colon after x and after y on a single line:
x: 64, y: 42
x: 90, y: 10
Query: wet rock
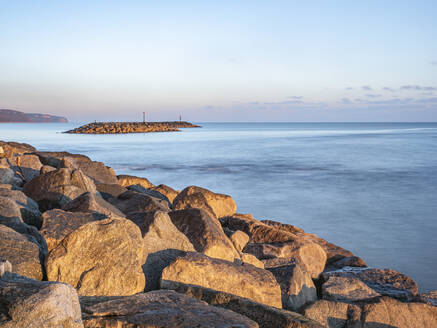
x: 160, y: 240
x: 383, y: 281
x: 205, y: 233
x: 310, y: 256
x: 110, y: 190
x: 163, y: 308
x: 266, y: 316
x: 22, y: 253
x: 100, y: 258
x: 297, y: 287
x: 191, y: 197
x: 346, y: 289
x: 245, y: 281
x: 167, y: 191
x: 129, y: 180
x: 29, y: 303
x: 239, y: 239
x: 28, y: 207
x: 58, y: 223
x: 56, y: 188
x: 92, y: 203
x: 132, y: 202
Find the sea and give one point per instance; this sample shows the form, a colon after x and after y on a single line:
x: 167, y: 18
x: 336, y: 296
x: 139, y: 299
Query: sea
x: 368, y: 187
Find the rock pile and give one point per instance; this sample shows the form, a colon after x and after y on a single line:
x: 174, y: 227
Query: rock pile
x: 83, y: 247
x: 131, y: 127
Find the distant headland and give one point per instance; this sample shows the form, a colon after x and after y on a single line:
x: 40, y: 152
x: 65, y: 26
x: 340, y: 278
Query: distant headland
x: 131, y: 127
x: 14, y: 116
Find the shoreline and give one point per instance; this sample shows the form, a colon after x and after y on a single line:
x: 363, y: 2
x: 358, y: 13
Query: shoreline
x: 131, y: 127
x: 191, y: 241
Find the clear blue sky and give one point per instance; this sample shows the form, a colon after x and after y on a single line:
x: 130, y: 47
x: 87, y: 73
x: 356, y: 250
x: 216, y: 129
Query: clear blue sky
x: 221, y: 60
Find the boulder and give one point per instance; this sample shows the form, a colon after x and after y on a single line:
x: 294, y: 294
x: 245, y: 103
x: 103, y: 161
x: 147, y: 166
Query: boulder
x: 150, y: 192
x: 282, y: 226
x: 383, y: 281
x: 58, y: 223
x: 100, y: 258
x: 205, y: 233
x: 15, y: 148
x: 129, y: 180
x: 430, y: 297
x: 161, y: 308
x: 310, y: 256
x: 28, y: 207
x: 192, y: 196
x: 251, y: 259
x: 346, y: 289
x: 54, y: 159
x: 7, y: 176
x: 29, y: 303
x: 245, y: 281
x: 349, y: 261
x: 297, y: 287
x: 382, y: 312
x: 132, y: 202
x: 27, y: 166
x: 239, y: 239
x: 95, y: 170
x: 46, y: 169
x: 92, y: 203
x: 110, y: 190
x: 56, y: 188
x: 160, y: 240
x: 167, y: 191
x: 266, y: 316
x: 22, y: 253
x: 5, y: 186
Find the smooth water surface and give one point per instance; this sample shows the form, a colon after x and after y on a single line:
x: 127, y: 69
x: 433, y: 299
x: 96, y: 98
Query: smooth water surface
x: 368, y: 187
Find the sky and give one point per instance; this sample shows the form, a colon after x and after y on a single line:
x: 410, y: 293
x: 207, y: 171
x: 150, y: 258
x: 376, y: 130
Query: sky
x: 313, y: 61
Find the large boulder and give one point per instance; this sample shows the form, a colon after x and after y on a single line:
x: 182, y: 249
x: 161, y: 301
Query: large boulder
x: 132, y: 202
x: 56, y: 188
x: 8, y: 176
x: 27, y: 166
x: 346, y: 289
x: 92, y: 203
x: 12, y: 148
x: 282, y: 226
x: 297, y: 287
x: 239, y: 239
x: 28, y: 207
x: 382, y: 312
x: 205, y: 233
x: 22, y: 252
x: 266, y: 316
x: 167, y: 191
x: 310, y: 256
x: 95, y: 170
x: 54, y: 159
x: 110, y: 190
x: 130, y: 180
x: 100, y: 258
x: 150, y: 192
x: 160, y: 240
x: 27, y: 303
x: 383, y: 281
x: 57, y: 224
x: 195, y: 197
x: 242, y: 280
x: 162, y: 308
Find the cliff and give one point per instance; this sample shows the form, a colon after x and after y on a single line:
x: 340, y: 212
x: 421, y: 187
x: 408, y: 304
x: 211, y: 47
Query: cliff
x: 14, y: 116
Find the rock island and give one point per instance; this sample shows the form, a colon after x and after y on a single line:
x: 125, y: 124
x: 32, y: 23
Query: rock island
x: 131, y: 127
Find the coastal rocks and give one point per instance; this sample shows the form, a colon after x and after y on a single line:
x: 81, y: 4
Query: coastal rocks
x: 282, y: 226
x: 266, y: 316
x: 245, y: 281
x: 297, y: 287
x: 132, y: 202
x: 46, y: 169
x: 204, y: 233
x: 28, y: 207
x: 110, y: 190
x: 163, y: 308
x: 383, y: 281
x: 7, y: 176
x: 130, y: 180
x: 381, y: 312
x: 195, y: 197
x: 100, y: 258
x: 23, y: 254
x: 252, y: 260
x: 97, y: 171
x: 167, y: 191
x: 15, y: 148
x: 430, y: 297
x: 56, y: 188
x: 150, y: 192
x: 346, y: 289
x: 29, y: 303
x: 54, y: 158
x: 92, y: 203
x: 58, y: 223
x: 310, y: 256
x: 160, y: 240
x: 239, y: 239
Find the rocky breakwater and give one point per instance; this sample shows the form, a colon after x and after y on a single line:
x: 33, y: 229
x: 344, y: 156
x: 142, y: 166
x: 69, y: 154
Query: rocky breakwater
x: 83, y: 247
x: 131, y: 127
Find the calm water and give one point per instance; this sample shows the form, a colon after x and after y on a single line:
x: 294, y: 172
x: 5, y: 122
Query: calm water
x: 371, y: 188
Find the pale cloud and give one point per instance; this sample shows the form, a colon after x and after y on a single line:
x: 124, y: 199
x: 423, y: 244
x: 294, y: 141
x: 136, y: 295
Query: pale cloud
x: 366, y: 87
x: 417, y: 88
x: 372, y: 96
x: 388, y: 89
